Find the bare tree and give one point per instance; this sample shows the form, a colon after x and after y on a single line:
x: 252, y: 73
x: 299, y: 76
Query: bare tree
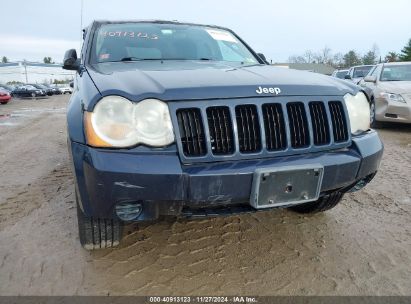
x: 324, y: 56
x: 338, y: 60
x: 297, y: 59
x: 309, y: 56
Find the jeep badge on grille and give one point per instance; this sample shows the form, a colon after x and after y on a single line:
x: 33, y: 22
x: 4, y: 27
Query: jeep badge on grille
x: 269, y: 90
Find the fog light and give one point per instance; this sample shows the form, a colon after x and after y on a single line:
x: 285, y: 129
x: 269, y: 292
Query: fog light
x: 128, y: 211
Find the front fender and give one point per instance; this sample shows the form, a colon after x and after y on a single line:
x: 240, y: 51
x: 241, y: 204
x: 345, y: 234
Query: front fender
x: 84, y: 91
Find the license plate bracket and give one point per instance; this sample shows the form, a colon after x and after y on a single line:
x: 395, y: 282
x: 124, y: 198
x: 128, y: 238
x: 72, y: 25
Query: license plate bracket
x: 282, y: 186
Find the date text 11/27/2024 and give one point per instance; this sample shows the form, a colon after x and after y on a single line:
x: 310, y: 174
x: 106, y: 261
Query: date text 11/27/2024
x: 209, y: 299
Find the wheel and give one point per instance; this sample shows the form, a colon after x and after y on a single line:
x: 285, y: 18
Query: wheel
x: 33, y: 94
x: 98, y: 233
x: 324, y: 203
x: 373, y: 122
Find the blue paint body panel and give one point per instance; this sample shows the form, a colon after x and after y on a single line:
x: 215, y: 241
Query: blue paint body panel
x: 163, y: 179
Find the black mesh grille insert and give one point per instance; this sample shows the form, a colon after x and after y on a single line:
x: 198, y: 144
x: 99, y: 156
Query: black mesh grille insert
x: 235, y: 130
x: 338, y: 120
x: 297, y: 118
x: 248, y: 128
x: 192, y: 132
x: 319, y: 121
x: 221, y: 130
x: 274, y: 126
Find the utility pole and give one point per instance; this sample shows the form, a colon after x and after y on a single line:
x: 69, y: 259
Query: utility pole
x: 25, y: 69
x: 81, y: 22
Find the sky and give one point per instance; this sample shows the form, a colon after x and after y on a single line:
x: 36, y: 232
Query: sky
x: 278, y: 29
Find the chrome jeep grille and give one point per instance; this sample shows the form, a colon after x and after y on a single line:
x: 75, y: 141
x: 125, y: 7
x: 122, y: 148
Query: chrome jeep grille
x: 256, y: 128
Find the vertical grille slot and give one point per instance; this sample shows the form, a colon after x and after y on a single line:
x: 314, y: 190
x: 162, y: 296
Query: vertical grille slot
x: 221, y: 130
x: 297, y: 118
x: 274, y: 126
x: 192, y: 132
x: 248, y: 128
x: 319, y: 123
x: 338, y: 120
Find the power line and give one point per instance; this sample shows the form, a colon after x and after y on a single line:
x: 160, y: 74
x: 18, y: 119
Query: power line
x: 81, y: 22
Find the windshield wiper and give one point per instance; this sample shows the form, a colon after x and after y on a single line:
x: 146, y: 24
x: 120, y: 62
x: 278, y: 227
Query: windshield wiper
x: 152, y: 59
x: 138, y: 59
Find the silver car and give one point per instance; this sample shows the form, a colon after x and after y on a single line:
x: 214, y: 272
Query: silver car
x: 357, y: 73
x: 339, y: 74
x: 389, y: 85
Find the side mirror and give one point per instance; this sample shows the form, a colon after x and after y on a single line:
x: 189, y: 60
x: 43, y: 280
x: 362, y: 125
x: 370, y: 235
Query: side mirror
x: 370, y: 79
x: 347, y: 76
x: 71, y: 62
x: 261, y: 55
x: 71, y: 84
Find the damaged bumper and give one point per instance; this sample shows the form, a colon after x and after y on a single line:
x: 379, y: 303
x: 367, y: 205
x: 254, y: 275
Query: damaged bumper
x: 390, y: 111
x: 162, y: 185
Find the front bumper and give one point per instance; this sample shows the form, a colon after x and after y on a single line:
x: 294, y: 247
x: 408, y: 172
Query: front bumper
x: 164, y: 186
x: 391, y: 111
x: 5, y: 98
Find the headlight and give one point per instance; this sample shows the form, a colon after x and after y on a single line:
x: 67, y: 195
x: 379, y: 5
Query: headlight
x: 117, y: 122
x: 392, y: 97
x: 358, y: 110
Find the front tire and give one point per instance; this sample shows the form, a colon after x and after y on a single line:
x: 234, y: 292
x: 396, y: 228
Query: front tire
x: 324, y: 203
x: 96, y: 233
x: 373, y: 122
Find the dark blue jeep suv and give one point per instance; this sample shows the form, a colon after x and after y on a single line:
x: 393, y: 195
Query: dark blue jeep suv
x: 186, y: 120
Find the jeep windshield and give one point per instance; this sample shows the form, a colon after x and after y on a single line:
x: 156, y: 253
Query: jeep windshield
x: 124, y: 42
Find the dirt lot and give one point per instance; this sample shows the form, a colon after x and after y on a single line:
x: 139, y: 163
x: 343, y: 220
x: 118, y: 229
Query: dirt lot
x: 361, y: 247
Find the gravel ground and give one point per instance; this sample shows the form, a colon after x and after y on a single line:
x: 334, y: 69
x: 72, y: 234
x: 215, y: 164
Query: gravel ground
x: 361, y: 247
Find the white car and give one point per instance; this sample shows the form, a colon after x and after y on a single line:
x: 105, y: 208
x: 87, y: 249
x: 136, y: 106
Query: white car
x: 357, y: 73
x: 66, y: 90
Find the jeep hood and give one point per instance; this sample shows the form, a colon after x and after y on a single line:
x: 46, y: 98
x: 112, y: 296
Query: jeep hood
x: 190, y: 80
